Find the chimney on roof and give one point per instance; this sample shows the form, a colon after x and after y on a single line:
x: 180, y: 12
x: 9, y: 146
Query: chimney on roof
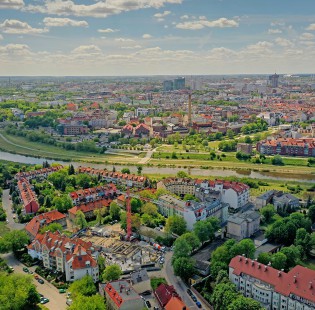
x: 266, y: 268
x: 246, y: 260
x: 294, y: 279
x: 310, y: 285
x: 253, y: 262
x: 239, y: 258
x: 259, y: 266
x: 279, y: 273
x: 269, y: 264
x: 243, y: 255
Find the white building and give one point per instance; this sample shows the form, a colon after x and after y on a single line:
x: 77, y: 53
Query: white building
x: 274, y: 289
x: 73, y: 257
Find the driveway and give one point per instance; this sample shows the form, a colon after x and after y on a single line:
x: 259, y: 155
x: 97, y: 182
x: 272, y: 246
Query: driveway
x: 7, y: 204
x: 56, y: 301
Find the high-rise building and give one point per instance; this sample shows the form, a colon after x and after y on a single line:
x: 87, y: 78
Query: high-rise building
x: 168, y: 85
x: 274, y: 80
x: 179, y: 83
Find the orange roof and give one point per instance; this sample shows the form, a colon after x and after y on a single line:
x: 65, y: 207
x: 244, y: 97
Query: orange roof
x: 175, y: 303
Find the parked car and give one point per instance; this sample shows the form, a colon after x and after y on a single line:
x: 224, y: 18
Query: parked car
x: 44, y: 300
x: 189, y: 292
x: 148, y: 304
x: 62, y: 291
x: 25, y: 269
x: 145, y: 293
x: 36, y: 276
x: 193, y: 297
x: 198, y: 304
x: 41, y: 281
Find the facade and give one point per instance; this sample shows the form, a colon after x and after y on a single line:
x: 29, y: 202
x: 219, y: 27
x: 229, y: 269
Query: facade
x: 27, y: 196
x: 36, y: 223
x: 243, y: 225
x: 274, y: 289
x: 71, y: 256
x: 288, y: 146
x: 120, y: 295
x: 72, y: 129
x: 168, y: 85
x: 274, y: 80
x: 179, y: 83
x: 278, y: 199
x: 246, y: 148
x: 131, y: 180
x: 38, y: 174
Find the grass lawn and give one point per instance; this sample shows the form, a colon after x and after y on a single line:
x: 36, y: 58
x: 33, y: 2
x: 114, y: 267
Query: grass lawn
x: 155, y: 282
x: 310, y: 263
x: 3, y: 228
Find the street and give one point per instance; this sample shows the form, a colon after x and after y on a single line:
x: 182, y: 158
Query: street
x: 7, y: 203
x: 56, y: 301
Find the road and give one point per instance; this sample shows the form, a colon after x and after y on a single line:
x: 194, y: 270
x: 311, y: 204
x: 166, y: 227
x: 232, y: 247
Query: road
x: 7, y: 204
x: 178, y: 284
x: 147, y: 157
x: 56, y: 301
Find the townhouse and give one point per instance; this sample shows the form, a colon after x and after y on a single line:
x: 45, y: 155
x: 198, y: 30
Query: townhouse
x: 27, y: 196
x: 38, y: 174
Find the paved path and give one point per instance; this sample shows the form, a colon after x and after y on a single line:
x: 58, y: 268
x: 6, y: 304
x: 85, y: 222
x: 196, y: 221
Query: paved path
x: 147, y: 157
x: 7, y: 204
x: 56, y: 301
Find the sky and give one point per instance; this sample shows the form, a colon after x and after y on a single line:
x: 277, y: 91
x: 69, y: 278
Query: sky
x: 156, y: 37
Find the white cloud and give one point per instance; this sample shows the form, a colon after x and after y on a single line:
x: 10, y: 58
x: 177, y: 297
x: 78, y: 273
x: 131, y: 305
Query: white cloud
x: 160, y: 16
x: 311, y: 27
x: 107, y: 30
x: 201, y: 23
x: 283, y: 42
x: 15, y: 49
x: 146, y: 36
x: 274, y: 31
x: 13, y: 26
x: 124, y: 40
x: 97, y: 9
x: 306, y: 36
x: 11, y: 4
x: 184, y: 17
x: 131, y: 47
x: 62, y: 22
x: 277, y: 23
x: 87, y: 49
x: 1, y: 37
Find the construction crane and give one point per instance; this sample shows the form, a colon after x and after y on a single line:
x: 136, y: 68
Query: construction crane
x: 128, y: 209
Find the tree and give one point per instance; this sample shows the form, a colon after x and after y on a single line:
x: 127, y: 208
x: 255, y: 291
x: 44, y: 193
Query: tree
x: 264, y: 258
x: 292, y: 254
x: 62, y: 203
x: 17, y: 292
x: 181, y: 248
x: 111, y: 273
x: 268, y: 212
x: 189, y: 197
x: 278, y: 260
x: 139, y: 169
x: 303, y: 240
x: 311, y: 213
x: 95, y: 302
x: 244, y: 303
x: 223, y: 295
x: 182, y: 174
x: 114, y: 211
x: 191, y: 239
x: 84, y: 180
x: 135, y: 205
x: 230, y: 133
x: 80, y: 220
x: 184, y: 267
x: 149, y: 208
x: 53, y: 227
x: 204, y: 231
x: 135, y: 221
x: 125, y: 170
x: 245, y: 246
x: 99, y: 213
x: 277, y: 160
x: 47, y: 202
x: 221, y: 277
x: 71, y: 170
x: 175, y: 224
x: 13, y: 241
x: 85, y: 286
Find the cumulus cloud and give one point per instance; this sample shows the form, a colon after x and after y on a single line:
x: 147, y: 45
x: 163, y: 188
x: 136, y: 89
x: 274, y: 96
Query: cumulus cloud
x: 131, y: 47
x: 107, y: 30
x: 98, y: 9
x: 13, y: 26
x: 311, y: 27
x: 15, y: 49
x: 283, y: 42
x: 11, y: 4
x: 87, y: 49
x: 274, y: 31
x: 184, y: 17
x: 124, y: 40
x: 62, y: 22
x: 306, y: 36
x: 146, y: 36
x: 160, y: 16
x: 202, y: 23
x: 1, y: 37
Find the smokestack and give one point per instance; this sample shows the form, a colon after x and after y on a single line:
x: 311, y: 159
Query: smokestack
x: 189, y: 110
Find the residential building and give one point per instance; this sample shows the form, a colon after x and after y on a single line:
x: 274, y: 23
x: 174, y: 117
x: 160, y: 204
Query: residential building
x: 36, y: 223
x: 140, y: 281
x: 164, y: 293
x: 168, y: 85
x: 72, y: 129
x: 175, y: 303
x: 288, y: 146
x: 27, y: 196
x: 246, y: 148
x: 71, y: 256
x: 120, y: 295
x: 179, y: 83
x: 243, y: 225
x: 273, y: 288
x: 38, y: 174
x: 274, y: 80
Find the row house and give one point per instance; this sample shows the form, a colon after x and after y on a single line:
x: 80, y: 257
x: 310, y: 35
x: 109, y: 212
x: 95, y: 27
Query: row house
x: 88, y: 208
x: 87, y: 195
x: 131, y: 180
x: 274, y: 289
x: 287, y: 146
x: 27, y: 196
x: 38, y: 174
x: 36, y: 223
x: 71, y: 256
x: 140, y: 130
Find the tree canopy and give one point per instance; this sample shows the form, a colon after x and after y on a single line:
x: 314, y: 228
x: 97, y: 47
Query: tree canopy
x: 112, y: 272
x: 85, y: 286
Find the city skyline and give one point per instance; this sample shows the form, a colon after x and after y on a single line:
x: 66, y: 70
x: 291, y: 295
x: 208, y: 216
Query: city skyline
x: 155, y: 37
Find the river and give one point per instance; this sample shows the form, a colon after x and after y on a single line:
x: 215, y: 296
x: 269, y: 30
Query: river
x: 170, y: 170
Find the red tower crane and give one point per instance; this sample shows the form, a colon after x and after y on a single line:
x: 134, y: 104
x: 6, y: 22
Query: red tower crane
x: 128, y: 209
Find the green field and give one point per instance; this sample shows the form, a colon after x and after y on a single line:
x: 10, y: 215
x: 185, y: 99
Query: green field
x: 25, y: 147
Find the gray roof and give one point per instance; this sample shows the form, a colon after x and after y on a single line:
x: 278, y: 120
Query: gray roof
x: 139, y: 276
x: 246, y: 216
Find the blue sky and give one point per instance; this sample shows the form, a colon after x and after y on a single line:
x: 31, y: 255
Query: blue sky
x: 137, y: 37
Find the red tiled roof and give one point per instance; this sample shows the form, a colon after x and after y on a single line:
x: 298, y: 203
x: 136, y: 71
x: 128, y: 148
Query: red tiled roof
x: 164, y: 293
x: 297, y: 281
x: 91, y: 206
x: 175, y: 303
